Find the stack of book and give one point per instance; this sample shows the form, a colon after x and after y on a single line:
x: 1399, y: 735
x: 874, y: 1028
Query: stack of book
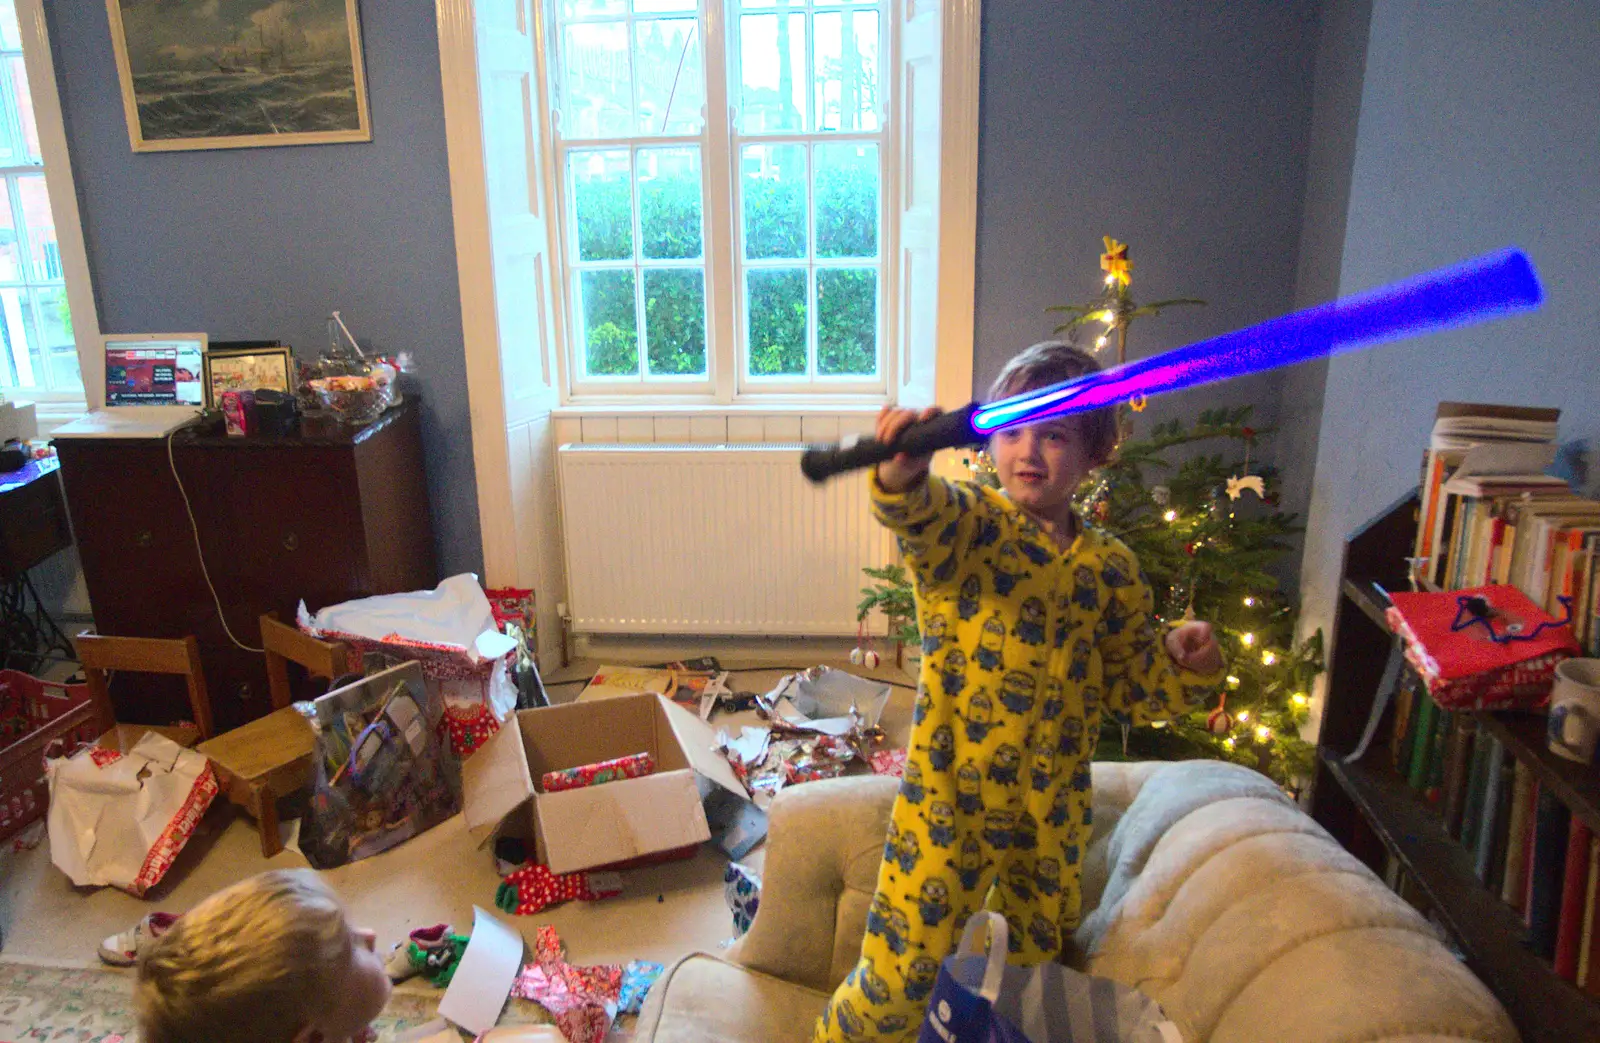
x: 1489, y: 514
x: 1526, y: 846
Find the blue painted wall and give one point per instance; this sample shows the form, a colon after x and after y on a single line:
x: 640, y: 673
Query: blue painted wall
x: 254, y: 243
x: 1180, y: 128
x: 1480, y: 127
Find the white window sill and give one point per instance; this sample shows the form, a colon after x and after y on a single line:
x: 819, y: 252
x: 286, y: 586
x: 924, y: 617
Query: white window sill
x: 799, y: 407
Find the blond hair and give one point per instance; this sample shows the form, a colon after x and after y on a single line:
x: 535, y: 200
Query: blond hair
x: 254, y: 963
x: 1052, y: 362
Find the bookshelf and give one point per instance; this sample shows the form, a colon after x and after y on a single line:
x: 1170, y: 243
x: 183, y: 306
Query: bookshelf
x: 1371, y: 810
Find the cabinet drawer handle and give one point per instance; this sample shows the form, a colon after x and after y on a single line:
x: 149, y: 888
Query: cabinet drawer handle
x: 144, y: 539
x: 291, y: 542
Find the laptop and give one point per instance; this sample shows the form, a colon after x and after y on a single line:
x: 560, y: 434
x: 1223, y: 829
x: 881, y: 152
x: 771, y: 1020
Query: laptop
x: 153, y: 387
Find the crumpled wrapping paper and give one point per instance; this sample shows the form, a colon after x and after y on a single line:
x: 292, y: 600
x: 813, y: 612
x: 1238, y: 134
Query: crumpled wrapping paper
x: 583, y: 1001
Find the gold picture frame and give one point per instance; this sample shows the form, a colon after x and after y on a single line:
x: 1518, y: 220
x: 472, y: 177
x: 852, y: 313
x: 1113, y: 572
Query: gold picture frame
x: 248, y: 369
x: 240, y: 74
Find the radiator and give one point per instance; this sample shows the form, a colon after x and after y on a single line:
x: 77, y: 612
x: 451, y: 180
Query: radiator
x: 713, y: 539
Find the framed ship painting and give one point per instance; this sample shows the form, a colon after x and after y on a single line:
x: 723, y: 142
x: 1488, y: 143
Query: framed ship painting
x: 204, y: 74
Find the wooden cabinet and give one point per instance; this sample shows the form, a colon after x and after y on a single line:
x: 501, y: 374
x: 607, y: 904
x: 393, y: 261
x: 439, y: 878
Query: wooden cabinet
x: 1371, y: 810
x: 327, y: 515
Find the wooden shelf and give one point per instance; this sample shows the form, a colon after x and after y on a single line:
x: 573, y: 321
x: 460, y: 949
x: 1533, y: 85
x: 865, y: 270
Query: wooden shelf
x: 1370, y: 599
x: 1544, y: 1006
x: 1575, y: 785
x: 1379, y: 818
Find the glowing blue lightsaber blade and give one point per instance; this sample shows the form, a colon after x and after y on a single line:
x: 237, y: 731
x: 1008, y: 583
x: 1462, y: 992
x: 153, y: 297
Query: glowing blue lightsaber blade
x: 1488, y: 287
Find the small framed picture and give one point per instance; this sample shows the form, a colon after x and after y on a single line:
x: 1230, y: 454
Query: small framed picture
x: 247, y: 369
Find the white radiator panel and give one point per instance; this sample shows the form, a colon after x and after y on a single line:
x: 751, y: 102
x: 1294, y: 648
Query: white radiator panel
x: 713, y: 539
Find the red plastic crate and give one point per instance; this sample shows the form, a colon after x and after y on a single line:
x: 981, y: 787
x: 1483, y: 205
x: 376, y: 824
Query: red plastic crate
x: 34, y: 715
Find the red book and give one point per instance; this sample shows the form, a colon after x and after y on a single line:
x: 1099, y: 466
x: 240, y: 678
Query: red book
x: 1570, y: 925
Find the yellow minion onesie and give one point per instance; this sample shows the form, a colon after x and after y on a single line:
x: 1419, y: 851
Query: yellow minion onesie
x: 1024, y: 649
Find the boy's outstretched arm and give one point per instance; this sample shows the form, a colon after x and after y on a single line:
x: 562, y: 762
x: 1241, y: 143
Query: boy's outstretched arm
x: 1156, y: 674
x: 923, y: 512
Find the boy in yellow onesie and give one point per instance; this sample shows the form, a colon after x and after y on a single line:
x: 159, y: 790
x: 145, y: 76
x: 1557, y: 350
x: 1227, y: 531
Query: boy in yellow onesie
x: 1034, y: 629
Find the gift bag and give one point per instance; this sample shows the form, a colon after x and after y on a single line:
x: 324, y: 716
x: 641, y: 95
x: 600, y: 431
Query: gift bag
x: 383, y: 770
x: 1485, y: 648
x: 978, y: 998
x: 452, y: 631
x: 120, y: 820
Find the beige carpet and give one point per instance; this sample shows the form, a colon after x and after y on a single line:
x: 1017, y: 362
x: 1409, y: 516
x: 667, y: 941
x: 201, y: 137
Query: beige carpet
x: 665, y: 911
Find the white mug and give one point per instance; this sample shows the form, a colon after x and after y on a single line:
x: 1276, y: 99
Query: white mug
x: 1574, y: 725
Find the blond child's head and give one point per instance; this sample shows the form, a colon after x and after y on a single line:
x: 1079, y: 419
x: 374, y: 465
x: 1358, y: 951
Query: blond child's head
x: 1041, y: 464
x: 270, y: 960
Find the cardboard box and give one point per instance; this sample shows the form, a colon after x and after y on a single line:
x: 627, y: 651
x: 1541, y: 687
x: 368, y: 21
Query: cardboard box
x: 613, y: 822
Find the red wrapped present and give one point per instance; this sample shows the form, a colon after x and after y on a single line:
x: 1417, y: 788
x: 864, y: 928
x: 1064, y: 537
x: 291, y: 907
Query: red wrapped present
x: 633, y: 766
x: 1484, y: 648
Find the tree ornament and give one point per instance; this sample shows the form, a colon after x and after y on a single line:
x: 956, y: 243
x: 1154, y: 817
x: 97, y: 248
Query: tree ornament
x: 1161, y: 494
x: 1220, y: 721
x: 1254, y: 482
x: 863, y: 654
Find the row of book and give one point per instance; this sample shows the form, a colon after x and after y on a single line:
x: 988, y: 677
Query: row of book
x: 1525, y: 844
x: 1489, y: 514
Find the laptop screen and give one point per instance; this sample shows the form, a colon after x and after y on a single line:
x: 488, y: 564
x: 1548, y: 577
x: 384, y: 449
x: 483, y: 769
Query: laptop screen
x: 153, y: 373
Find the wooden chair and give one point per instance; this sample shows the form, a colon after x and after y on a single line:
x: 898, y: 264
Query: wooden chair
x: 285, y: 644
x: 270, y: 758
x: 98, y: 653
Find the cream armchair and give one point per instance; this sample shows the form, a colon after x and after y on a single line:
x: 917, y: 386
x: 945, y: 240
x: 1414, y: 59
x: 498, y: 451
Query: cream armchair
x: 1204, y: 886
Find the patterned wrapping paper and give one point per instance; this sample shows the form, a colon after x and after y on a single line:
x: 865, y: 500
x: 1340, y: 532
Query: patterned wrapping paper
x: 742, y: 889
x: 633, y: 766
x: 582, y: 1000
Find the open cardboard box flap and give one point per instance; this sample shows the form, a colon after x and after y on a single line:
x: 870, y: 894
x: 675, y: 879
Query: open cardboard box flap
x: 611, y: 822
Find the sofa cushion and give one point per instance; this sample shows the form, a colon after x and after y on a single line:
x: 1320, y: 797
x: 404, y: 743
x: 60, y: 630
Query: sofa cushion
x: 1241, y: 916
x: 702, y: 998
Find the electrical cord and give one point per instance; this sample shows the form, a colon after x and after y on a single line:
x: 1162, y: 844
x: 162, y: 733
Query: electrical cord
x: 194, y: 528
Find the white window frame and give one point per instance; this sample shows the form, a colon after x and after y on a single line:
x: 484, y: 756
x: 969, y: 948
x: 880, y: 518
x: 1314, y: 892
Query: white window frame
x: 726, y: 382
x: 55, y: 407
x: 517, y: 413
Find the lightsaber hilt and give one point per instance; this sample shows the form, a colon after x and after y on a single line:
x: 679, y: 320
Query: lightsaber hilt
x: 945, y: 431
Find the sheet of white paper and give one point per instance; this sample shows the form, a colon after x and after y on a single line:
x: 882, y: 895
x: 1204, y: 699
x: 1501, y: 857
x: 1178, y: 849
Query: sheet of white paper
x: 826, y: 726
x: 483, y: 981
x: 750, y: 745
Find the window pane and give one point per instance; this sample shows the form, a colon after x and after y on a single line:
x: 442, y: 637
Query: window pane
x: 603, y: 200
x: 772, y: 71
x: 596, y: 93
x: 15, y: 151
x: 776, y: 306
x: 22, y: 366
x: 10, y: 251
x: 675, y: 321
x: 847, y: 70
x: 61, y: 355
x: 846, y: 193
x: 671, y: 83
x: 847, y: 322
x: 610, y: 328
x: 664, y: 6
x: 669, y: 203
x: 44, y: 253
x: 774, y: 197
x: 591, y: 8
x: 10, y: 33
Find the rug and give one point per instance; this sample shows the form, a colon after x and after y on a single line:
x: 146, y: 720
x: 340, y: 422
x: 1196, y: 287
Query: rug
x: 75, y: 1005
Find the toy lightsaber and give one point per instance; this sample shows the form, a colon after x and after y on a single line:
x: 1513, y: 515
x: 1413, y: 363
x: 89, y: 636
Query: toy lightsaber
x: 1484, y: 288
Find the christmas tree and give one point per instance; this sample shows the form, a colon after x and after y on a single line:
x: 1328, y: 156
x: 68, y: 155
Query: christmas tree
x: 1208, y: 533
